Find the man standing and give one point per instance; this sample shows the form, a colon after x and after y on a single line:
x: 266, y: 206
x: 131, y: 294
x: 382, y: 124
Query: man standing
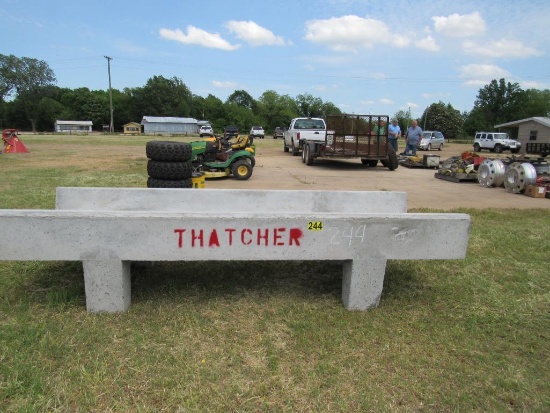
x: 394, y: 132
x: 413, y: 138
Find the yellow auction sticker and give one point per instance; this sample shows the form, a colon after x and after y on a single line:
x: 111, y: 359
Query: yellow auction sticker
x: 315, y: 226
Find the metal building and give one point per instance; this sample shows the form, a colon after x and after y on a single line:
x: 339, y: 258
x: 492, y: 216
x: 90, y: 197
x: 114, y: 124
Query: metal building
x: 73, y: 126
x: 153, y: 125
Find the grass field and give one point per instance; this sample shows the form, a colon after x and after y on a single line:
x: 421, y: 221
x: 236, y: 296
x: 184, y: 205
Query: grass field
x: 469, y: 335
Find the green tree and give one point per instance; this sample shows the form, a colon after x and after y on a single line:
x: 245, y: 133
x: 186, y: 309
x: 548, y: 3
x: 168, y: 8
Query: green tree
x: 162, y: 97
x: 309, y: 105
x: 443, y: 118
x: 243, y: 99
x: 276, y: 110
x: 29, y: 79
x: 500, y: 101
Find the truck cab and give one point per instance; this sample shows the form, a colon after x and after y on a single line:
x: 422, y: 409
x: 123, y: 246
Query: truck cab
x: 303, y: 130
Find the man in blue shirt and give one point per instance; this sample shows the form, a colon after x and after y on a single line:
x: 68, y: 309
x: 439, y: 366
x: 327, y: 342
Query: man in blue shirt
x: 413, y: 138
x: 394, y: 132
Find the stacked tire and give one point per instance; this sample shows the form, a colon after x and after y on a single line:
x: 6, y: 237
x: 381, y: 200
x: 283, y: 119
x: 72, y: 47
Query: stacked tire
x: 169, y: 164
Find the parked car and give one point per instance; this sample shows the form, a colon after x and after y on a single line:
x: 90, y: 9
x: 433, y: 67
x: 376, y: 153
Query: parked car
x: 495, y: 142
x: 431, y: 140
x: 206, y: 130
x: 257, y: 132
x: 279, y: 132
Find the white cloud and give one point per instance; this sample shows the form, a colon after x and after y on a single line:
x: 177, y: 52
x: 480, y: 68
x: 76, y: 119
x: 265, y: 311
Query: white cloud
x: 386, y: 101
x: 198, y: 37
x: 457, y: 25
x: 479, y: 75
x: 428, y: 43
x: 500, y: 48
x: 350, y: 33
x: 254, y: 34
x: 224, y: 85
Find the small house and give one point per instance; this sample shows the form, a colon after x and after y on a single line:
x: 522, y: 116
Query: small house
x: 533, y: 133
x: 132, y: 128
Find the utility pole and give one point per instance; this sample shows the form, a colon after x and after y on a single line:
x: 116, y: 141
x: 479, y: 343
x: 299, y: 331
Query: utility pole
x: 426, y: 116
x: 111, y: 126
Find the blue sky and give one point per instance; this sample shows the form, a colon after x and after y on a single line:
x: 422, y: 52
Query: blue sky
x: 369, y: 56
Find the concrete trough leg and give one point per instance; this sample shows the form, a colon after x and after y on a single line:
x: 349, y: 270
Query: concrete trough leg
x: 362, y: 283
x: 107, y: 285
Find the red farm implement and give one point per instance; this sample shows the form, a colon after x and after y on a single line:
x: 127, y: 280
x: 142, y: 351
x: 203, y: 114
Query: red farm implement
x: 12, y: 143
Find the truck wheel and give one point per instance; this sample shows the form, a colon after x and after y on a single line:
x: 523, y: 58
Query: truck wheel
x: 393, y: 162
x: 285, y: 148
x: 440, y: 147
x: 477, y: 148
x: 295, y: 150
x: 308, y: 159
x: 168, y: 151
x: 241, y: 170
x: 304, y: 152
x: 169, y: 170
x: 498, y: 148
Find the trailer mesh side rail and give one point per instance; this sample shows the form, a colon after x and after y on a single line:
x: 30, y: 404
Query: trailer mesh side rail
x: 357, y: 135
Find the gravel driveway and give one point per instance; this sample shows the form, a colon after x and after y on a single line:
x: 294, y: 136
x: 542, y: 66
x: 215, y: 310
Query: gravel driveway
x: 276, y: 169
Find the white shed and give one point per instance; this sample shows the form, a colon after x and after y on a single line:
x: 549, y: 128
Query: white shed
x: 73, y: 126
x: 169, y: 125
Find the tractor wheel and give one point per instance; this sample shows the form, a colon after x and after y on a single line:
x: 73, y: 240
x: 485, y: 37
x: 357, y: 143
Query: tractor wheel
x: 393, y: 162
x: 251, y: 160
x: 169, y: 170
x: 168, y: 183
x: 241, y: 170
x: 169, y: 151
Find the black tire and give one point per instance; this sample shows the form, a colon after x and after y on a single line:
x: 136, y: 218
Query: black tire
x: 498, y: 148
x: 440, y: 147
x: 429, y: 148
x: 304, y: 152
x: 393, y: 162
x: 384, y: 163
x: 241, y: 170
x: 285, y: 148
x: 251, y: 160
x: 169, y: 170
x: 168, y: 183
x: 370, y: 162
x: 514, y: 150
x: 308, y: 159
x: 169, y: 151
x: 477, y: 148
x: 295, y: 150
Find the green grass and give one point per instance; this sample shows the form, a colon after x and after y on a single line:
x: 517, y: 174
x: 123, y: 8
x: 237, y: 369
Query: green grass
x: 453, y: 335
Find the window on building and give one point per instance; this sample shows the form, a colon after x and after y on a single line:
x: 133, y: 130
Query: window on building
x: 533, y: 135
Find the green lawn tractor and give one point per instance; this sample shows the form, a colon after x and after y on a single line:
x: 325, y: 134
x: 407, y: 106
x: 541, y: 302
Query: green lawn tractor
x: 218, y: 157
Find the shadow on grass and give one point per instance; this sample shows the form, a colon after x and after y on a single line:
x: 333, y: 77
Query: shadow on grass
x: 62, y: 283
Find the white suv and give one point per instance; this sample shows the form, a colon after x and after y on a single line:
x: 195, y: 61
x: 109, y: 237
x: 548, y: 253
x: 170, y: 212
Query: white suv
x: 257, y: 132
x: 495, y: 142
x: 206, y: 130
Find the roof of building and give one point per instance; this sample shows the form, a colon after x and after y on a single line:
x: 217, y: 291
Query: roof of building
x: 167, y: 119
x: 542, y: 120
x: 74, y: 122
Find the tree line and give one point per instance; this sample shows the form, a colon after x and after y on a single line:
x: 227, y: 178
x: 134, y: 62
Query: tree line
x: 30, y: 100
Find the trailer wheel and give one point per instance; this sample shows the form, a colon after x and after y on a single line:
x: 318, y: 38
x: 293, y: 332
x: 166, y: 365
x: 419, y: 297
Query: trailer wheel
x: 393, y: 162
x: 370, y: 162
x: 168, y: 151
x: 308, y: 159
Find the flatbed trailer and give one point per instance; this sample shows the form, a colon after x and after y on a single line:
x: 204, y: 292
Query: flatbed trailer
x: 363, y: 137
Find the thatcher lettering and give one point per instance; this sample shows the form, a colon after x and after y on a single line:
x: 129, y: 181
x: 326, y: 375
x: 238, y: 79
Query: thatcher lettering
x: 214, y: 238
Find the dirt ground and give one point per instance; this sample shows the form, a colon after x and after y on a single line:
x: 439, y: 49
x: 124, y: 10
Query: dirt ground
x: 276, y: 169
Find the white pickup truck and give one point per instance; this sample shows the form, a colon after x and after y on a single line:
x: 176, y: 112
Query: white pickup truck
x: 302, y: 130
